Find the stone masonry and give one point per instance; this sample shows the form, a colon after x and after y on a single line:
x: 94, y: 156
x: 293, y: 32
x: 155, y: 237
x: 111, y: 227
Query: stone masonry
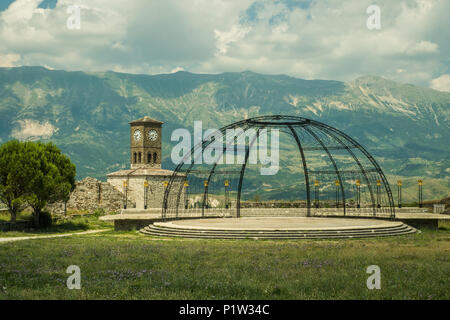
x: 156, y: 179
x: 91, y: 194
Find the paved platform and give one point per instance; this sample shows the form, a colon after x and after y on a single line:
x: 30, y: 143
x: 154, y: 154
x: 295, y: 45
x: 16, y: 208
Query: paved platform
x: 278, y: 228
x: 137, y: 219
x: 278, y: 223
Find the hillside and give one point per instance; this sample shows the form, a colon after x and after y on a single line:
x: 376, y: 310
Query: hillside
x: 86, y: 114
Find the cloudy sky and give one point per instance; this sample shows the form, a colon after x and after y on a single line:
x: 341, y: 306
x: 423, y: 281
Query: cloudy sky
x: 311, y: 39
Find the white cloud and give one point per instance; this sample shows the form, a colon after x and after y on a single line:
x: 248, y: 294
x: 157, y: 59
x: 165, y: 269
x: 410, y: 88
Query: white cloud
x: 224, y: 38
x: 21, y: 11
x: 29, y: 129
x: 177, y: 69
x: 9, y: 60
x: 441, y: 83
x: 326, y: 39
x: 422, y: 47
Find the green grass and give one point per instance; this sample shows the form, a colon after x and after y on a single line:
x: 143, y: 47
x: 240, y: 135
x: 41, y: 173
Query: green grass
x: 128, y: 265
x: 77, y: 224
x: 21, y: 216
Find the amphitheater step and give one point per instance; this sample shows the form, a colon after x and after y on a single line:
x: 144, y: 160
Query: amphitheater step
x: 275, y: 232
x: 179, y: 232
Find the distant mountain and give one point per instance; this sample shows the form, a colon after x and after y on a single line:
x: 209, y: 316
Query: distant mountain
x: 86, y: 114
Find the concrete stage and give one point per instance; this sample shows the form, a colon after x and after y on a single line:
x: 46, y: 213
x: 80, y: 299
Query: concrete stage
x: 278, y: 228
x: 277, y: 223
x: 133, y: 219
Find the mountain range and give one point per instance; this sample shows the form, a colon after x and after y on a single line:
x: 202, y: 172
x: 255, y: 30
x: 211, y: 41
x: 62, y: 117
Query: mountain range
x: 86, y: 114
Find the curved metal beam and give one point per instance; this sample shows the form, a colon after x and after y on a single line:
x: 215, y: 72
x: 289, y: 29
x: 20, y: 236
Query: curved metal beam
x: 241, y: 177
x: 363, y: 171
x: 291, y: 122
x: 305, y: 170
x: 377, y: 167
x: 332, y: 161
x: 205, y: 193
x: 205, y: 142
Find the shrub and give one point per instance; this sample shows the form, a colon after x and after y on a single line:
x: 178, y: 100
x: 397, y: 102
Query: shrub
x: 99, y: 212
x: 45, y: 219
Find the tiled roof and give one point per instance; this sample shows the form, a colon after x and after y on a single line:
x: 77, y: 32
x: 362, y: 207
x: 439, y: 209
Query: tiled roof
x: 146, y: 120
x: 143, y: 172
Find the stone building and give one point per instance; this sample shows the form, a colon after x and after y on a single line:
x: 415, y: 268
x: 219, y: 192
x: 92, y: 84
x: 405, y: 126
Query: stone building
x: 143, y: 184
x: 138, y: 188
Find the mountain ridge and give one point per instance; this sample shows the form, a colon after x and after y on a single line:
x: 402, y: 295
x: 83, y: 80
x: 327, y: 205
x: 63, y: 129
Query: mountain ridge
x: 87, y: 113
x: 359, y: 78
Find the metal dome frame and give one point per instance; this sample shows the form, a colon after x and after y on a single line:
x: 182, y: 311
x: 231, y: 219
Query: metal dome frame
x: 317, y: 132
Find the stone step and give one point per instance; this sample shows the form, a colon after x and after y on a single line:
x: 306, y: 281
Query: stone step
x: 294, y: 234
x: 353, y: 230
x: 274, y: 234
x: 262, y: 236
x: 275, y: 237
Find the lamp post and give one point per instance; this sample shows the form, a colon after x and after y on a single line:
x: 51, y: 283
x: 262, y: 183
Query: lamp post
x: 419, y: 182
x: 227, y: 194
x: 205, y: 184
x: 125, y: 189
x: 316, y: 193
x: 378, y: 193
x: 145, y: 193
x: 186, y: 194
x: 358, y: 193
x: 165, y: 184
x: 336, y: 182
x: 399, y: 193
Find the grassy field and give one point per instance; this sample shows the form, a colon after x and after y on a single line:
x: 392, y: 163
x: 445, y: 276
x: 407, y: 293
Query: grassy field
x: 127, y: 265
x: 21, y: 216
x: 75, y: 224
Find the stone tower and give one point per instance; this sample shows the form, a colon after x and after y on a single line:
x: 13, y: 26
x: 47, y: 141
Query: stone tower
x: 145, y: 143
x: 143, y: 185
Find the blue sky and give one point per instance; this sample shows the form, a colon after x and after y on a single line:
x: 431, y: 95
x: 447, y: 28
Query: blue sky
x: 311, y: 39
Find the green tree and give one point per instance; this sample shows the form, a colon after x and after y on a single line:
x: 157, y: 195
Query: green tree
x: 34, y: 173
x: 53, y: 179
x: 14, y: 175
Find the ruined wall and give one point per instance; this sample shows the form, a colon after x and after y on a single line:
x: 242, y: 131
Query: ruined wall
x: 91, y: 194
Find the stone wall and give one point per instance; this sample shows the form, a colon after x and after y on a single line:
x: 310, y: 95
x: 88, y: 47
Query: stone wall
x: 438, y: 208
x: 91, y: 194
x: 294, y: 204
x: 135, y: 189
x: 132, y: 224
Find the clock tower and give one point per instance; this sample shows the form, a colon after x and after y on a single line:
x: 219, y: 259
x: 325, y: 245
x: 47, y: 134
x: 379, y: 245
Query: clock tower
x: 144, y: 184
x: 145, y: 143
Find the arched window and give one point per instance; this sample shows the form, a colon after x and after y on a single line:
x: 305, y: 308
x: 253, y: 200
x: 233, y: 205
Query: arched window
x: 155, y: 156
x: 149, y: 157
x: 134, y: 157
x: 139, y: 157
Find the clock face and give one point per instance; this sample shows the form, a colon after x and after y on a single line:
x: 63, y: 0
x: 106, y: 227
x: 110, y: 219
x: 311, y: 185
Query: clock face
x: 153, y: 135
x: 137, y: 135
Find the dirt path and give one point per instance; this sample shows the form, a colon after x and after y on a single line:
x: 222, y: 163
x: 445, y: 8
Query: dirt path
x: 9, y: 239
